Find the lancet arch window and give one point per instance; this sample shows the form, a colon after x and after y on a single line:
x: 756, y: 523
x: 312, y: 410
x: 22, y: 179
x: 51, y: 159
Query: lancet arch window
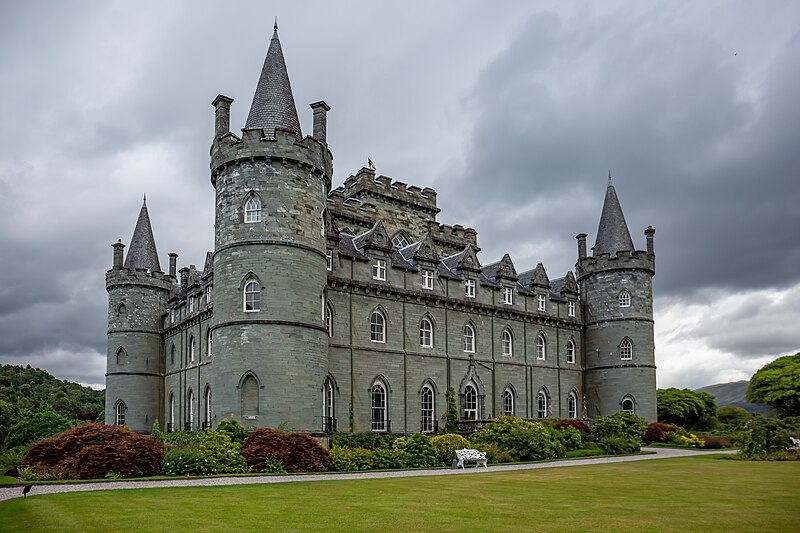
x: 252, y: 209
x: 508, y: 342
x: 208, y: 415
x: 120, y: 410
x: 572, y: 405
x: 624, y: 298
x: 541, y: 404
x: 191, y: 348
x: 190, y: 411
x: 628, y: 405
x: 208, y: 342
x: 570, y: 351
x: 470, y: 402
x: 508, y: 402
x: 626, y: 349
x: 252, y: 295
x: 469, y: 338
x: 426, y: 333
x: 377, y: 327
x: 171, y: 424
x: 329, y: 319
x: 378, y: 401
x: 328, y: 411
x: 249, y: 395
x: 426, y: 409
x: 541, y: 347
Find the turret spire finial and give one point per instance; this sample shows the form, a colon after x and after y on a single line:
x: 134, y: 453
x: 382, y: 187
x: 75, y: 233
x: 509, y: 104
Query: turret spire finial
x: 144, y: 200
x: 609, y: 177
x: 276, y: 23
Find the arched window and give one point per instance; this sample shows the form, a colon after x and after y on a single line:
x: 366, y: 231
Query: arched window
x: 378, y: 393
x: 122, y: 357
x: 572, y: 405
x: 541, y: 404
x: 191, y: 348
x: 400, y: 240
x: 426, y: 333
x: 207, y: 423
x: 171, y: 425
x: 208, y: 342
x: 172, y: 354
x: 329, y: 320
x: 249, y: 390
x: 469, y: 339
x: 624, y: 298
x: 508, y: 403
x: 252, y: 296
x: 570, y: 351
x: 627, y: 404
x: 626, y: 349
x: 426, y: 409
x: 541, y: 347
x: 119, y: 413
x: 252, y: 210
x: 190, y: 414
x: 377, y: 327
x: 328, y: 421
x: 470, y: 402
x: 508, y: 343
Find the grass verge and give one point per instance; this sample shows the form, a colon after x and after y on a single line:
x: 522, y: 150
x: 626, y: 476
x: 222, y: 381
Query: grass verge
x: 683, y: 494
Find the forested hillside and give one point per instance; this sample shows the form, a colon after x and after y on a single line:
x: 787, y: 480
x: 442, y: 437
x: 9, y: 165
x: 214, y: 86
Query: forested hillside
x: 734, y: 394
x: 33, y: 389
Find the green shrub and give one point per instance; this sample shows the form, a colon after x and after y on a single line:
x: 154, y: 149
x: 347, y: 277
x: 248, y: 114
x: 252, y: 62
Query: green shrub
x: 367, y: 441
x: 182, y: 439
x: 761, y: 436
x: 451, y: 415
x: 184, y: 462
x: 421, y: 453
x: 731, y: 415
x: 628, y: 427
x: 390, y: 459
x: 273, y: 465
x: 569, y: 437
x: 589, y: 449
x: 10, y: 459
x: 351, y: 459
x: 222, y: 454
x: 233, y: 429
x: 446, y: 446
x: 525, y: 441
x: 36, y: 426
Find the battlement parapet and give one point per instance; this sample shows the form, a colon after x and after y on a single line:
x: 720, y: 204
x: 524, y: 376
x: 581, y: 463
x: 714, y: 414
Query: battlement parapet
x: 640, y: 260
x: 454, y: 234
x: 255, y: 144
x: 366, y: 181
x: 140, y: 276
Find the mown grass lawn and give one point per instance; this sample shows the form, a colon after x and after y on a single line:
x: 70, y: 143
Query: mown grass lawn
x: 684, y: 494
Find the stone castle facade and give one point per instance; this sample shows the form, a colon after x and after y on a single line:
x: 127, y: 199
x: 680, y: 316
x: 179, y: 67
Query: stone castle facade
x: 355, y: 309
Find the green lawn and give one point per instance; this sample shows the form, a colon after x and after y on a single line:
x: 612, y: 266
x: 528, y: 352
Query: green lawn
x: 686, y: 494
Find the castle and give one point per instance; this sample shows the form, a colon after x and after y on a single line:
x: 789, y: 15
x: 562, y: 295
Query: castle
x: 354, y: 309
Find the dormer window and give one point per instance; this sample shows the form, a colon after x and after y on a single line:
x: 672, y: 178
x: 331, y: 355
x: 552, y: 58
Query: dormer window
x: 379, y: 270
x: 508, y: 295
x: 570, y: 308
x: 252, y: 210
x: 541, y: 303
x: 469, y: 288
x: 427, y: 279
x: 400, y: 240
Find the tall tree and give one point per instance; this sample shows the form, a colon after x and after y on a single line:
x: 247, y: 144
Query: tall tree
x: 778, y: 384
x: 686, y: 408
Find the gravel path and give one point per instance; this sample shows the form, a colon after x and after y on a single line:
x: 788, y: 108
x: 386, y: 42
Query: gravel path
x: 660, y: 453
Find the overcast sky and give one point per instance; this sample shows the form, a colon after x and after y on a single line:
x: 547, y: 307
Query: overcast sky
x: 515, y: 112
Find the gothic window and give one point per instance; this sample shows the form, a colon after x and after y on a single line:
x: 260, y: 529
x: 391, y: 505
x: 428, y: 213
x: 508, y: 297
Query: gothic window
x: 570, y: 351
x: 570, y: 308
x: 171, y: 425
x: 541, y: 302
x: 507, y: 342
x: 327, y: 406
x: 190, y: 413
x: 426, y: 409
x: 172, y: 354
x: 208, y: 342
x: 470, y: 402
x: 329, y: 320
x: 469, y: 339
x: 627, y: 404
x: 121, y: 357
x: 172, y: 316
x: 249, y: 390
x: 191, y: 304
x: 252, y: 210
x: 119, y: 413
x: 508, y: 295
x: 377, y: 327
x: 378, y: 394
x: 329, y: 260
x: 208, y: 295
x: 508, y: 403
x: 252, y: 296
x: 572, y: 405
x: 427, y: 279
x: 624, y: 299
x: 191, y: 348
x: 626, y: 349
x: 379, y: 270
x: 400, y: 240
x: 541, y: 347
x: 208, y: 408
x: 426, y: 333
x: 469, y: 288
x: 541, y: 404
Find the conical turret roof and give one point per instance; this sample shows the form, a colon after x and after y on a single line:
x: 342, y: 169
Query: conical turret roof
x: 612, y: 234
x: 142, y: 251
x: 273, y: 103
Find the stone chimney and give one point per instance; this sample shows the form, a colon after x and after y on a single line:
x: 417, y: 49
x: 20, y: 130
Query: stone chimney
x: 581, y: 245
x: 321, y: 120
x: 649, y: 232
x: 173, y: 262
x: 118, y: 253
x: 222, y: 115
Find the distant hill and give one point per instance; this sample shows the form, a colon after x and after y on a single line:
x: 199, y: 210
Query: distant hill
x: 34, y: 388
x: 735, y: 393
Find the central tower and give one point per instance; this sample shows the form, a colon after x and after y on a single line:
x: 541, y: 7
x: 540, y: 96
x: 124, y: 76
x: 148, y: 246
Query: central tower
x: 268, y: 328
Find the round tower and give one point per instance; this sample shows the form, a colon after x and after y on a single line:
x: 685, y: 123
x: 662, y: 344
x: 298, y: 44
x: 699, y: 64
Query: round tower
x: 137, y: 295
x: 617, y: 295
x: 268, y: 328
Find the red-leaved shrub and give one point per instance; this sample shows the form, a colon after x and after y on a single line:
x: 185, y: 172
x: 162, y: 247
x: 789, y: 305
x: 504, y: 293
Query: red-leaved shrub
x: 91, y: 451
x: 298, y: 451
x: 580, y: 425
x: 655, y: 432
x: 713, y: 443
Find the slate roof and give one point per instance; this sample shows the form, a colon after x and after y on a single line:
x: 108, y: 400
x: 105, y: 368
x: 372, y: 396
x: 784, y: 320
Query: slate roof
x: 612, y: 234
x: 142, y: 251
x: 273, y: 104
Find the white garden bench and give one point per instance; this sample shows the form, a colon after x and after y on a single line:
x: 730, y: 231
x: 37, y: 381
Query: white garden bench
x: 467, y: 454
x: 795, y: 443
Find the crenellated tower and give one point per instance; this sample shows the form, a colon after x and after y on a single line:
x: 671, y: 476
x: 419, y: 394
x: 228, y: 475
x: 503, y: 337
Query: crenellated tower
x: 137, y: 296
x: 268, y: 328
x: 617, y: 295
